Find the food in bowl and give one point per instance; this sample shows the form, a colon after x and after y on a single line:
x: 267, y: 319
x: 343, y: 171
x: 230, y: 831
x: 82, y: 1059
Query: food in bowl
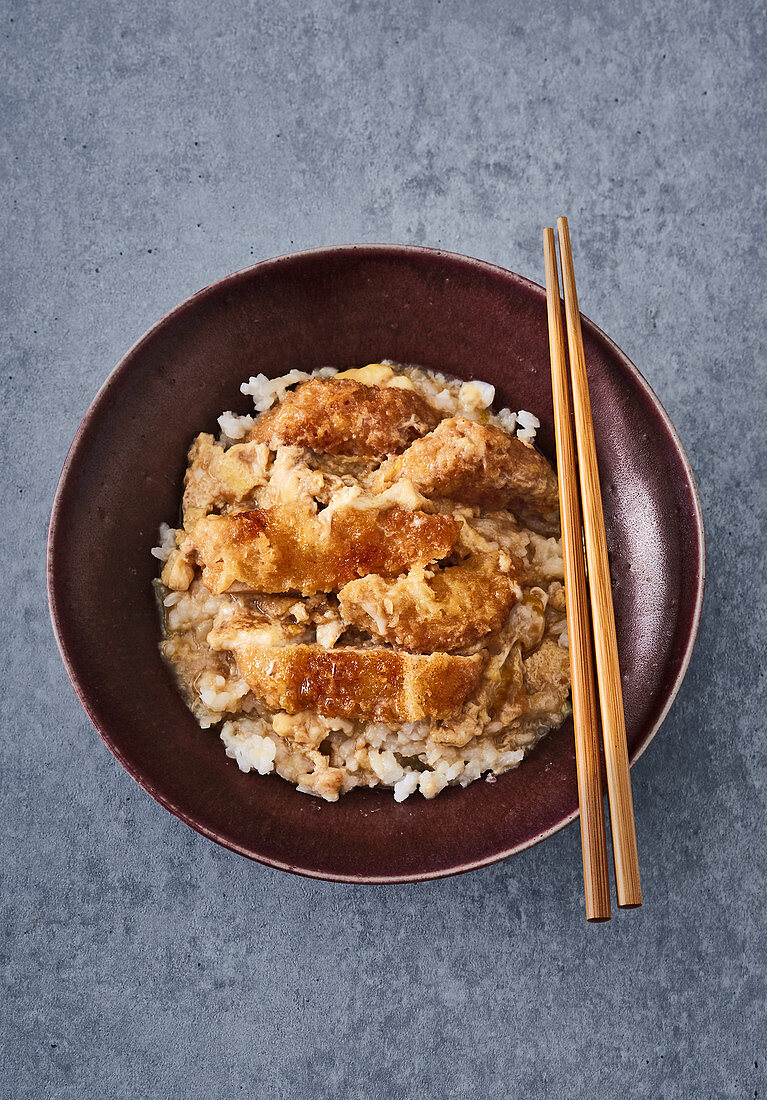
x: 366, y: 586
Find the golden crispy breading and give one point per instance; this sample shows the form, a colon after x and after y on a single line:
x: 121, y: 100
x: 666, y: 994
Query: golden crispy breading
x: 454, y: 608
x: 216, y: 477
x: 342, y: 417
x: 474, y: 464
x: 281, y: 550
x: 378, y: 684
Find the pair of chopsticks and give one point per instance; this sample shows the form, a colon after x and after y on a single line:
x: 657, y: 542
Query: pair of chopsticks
x: 583, y: 523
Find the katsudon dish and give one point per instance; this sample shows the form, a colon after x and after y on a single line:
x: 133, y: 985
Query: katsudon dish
x: 366, y: 585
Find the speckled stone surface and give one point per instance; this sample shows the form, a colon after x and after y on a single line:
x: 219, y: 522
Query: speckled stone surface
x: 149, y: 149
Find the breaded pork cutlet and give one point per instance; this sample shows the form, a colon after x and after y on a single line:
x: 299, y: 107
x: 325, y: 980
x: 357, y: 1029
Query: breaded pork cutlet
x: 455, y: 607
x: 340, y: 416
x: 282, y: 550
x: 374, y: 684
x: 476, y: 464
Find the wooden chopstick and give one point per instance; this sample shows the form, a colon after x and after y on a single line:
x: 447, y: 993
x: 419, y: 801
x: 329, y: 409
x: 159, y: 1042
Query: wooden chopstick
x: 623, y: 832
x: 585, y: 719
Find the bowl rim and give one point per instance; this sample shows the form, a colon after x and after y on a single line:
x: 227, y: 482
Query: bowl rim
x: 242, y: 275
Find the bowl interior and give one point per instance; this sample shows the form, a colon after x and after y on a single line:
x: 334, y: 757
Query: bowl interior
x: 344, y: 307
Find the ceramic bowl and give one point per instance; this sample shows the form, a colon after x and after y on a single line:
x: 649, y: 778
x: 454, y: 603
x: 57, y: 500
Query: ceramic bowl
x: 344, y: 307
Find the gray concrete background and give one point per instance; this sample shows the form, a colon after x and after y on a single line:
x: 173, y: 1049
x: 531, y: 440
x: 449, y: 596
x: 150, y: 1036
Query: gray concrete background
x: 149, y: 149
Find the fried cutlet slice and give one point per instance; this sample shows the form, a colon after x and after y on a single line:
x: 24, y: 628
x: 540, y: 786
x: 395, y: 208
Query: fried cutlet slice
x: 216, y: 477
x: 282, y: 549
x: 376, y: 684
x: 339, y: 416
x: 477, y: 464
x: 449, y: 610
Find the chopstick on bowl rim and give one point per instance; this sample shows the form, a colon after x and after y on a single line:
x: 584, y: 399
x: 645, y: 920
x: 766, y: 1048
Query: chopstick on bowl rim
x: 624, y: 843
x: 585, y: 720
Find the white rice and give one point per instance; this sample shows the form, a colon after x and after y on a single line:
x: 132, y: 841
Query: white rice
x: 233, y: 427
x: 269, y: 391
x: 167, y: 543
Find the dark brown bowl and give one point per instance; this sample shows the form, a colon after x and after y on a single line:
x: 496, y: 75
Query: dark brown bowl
x: 342, y: 307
